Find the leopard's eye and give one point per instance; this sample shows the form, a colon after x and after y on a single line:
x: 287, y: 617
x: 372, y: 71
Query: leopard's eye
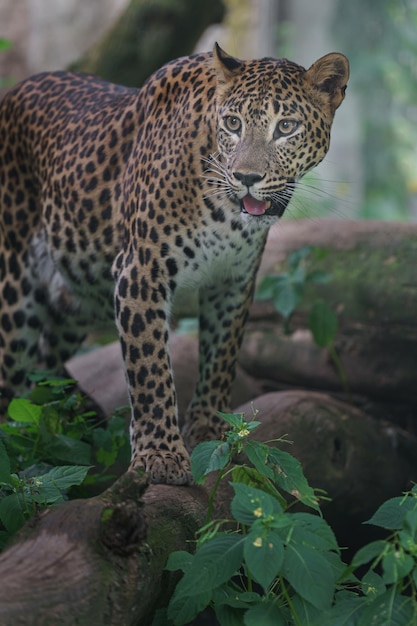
x: 285, y: 127
x: 232, y: 123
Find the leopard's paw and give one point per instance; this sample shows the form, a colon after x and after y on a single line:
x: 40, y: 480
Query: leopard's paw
x: 166, y: 467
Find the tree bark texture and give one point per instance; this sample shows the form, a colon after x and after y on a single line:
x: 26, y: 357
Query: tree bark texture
x: 99, y: 561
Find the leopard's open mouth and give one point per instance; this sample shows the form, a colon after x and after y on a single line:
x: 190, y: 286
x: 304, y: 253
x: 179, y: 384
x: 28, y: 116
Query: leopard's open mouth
x: 258, y: 208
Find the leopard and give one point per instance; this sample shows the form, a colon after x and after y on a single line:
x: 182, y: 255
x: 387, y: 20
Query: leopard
x: 116, y: 202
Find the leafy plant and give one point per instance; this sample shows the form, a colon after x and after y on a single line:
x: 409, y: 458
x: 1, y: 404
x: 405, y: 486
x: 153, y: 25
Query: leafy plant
x: 275, y: 567
x: 21, y: 496
x: 50, y: 446
x: 287, y: 289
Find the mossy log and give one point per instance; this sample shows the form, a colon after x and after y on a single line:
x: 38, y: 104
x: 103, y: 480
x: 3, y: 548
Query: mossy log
x: 373, y: 289
x: 371, y: 265
x: 101, y: 561
x: 147, y: 35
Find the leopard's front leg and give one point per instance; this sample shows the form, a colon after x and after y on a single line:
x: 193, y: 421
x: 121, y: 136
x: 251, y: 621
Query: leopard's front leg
x: 223, y: 313
x: 142, y: 306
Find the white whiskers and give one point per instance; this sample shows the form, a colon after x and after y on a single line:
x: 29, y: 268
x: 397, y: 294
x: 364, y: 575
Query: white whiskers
x: 311, y: 199
x: 215, y: 175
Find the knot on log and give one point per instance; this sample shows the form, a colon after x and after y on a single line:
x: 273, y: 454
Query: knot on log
x: 122, y: 524
x: 122, y: 528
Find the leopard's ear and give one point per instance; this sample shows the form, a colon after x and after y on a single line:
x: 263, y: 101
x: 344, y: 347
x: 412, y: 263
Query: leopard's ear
x: 225, y: 65
x: 329, y: 75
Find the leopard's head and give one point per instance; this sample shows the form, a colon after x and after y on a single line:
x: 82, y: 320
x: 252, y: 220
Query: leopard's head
x: 273, y: 126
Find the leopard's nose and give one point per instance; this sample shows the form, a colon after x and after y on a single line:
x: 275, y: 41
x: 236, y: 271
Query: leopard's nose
x: 248, y: 179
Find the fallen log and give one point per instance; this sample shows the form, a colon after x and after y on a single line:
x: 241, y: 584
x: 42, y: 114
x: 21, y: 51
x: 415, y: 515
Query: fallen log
x: 373, y: 290
x: 99, y: 561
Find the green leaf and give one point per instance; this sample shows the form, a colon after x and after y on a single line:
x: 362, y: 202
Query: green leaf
x: 372, y: 584
x: 229, y: 595
x: 266, y: 288
x: 48, y: 488
x: 22, y: 410
x: 368, y: 553
x: 322, y: 321
x: 11, y: 513
x: 251, y: 477
x: 319, y: 277
x: 296, y: 256
x: 340, y: 569
x: 5, y: 468
x: 310, y: 574
x: 182, y: 609
x: 266, y: 613
x: 286, y: 298
x: 391, y: 514
x: 288, y: 475
x: 180, y: 559
x: 217, y: 560
x: 251, y: 504
x: 257, y: 454
x: 66, y: 476
x: 235, y: 420
x: 389, y: 609
x: 229, y: 616
x: 314, y: 531
x: 407, y: 541
x: 57, y: 381
x: 410, y: 523
x: 345, y: 612
x: 298, y: 277
x: 64, y: 448
x: 103, y: 438
x: 396, y: 565
x: 264, y: 555
x: 307, y: 614
x: 205, y: 456
x: 45, y: 493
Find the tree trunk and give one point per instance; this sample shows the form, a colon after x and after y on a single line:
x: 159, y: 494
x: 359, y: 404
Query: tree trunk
x: 147, y: 35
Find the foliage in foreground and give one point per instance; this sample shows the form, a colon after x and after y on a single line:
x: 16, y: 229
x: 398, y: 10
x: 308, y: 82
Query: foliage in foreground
x: 275, y: 567
x: 267, y: 565
x: 286, y: 291
x: 49, y: 445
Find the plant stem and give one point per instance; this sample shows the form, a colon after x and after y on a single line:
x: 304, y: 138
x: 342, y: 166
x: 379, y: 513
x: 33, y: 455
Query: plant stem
x: 339, y: 367
x: 213, y: 494
x: 290, y: 604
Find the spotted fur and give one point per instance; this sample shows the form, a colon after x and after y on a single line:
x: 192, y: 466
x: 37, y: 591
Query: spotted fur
x: 117, y: 200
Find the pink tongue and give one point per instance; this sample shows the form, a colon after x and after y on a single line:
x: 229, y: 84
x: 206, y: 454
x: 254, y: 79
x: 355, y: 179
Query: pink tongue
x: 254, y: 206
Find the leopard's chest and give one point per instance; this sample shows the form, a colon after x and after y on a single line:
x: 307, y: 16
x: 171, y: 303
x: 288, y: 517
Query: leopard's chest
x: 222, y: 252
